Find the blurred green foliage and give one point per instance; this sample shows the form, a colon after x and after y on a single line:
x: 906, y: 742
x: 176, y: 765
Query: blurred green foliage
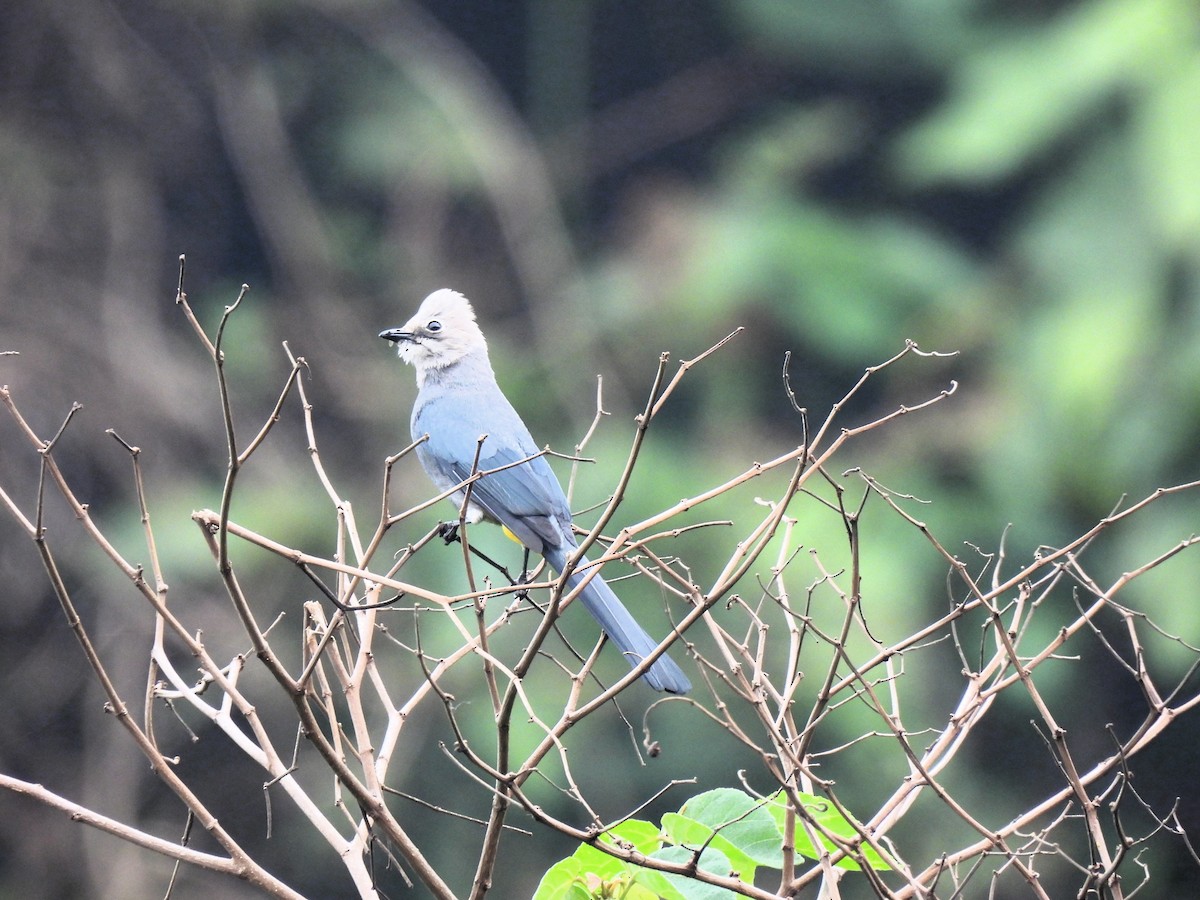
x: 1015, y: 182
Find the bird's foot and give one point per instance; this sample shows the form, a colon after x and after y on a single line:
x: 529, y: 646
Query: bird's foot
x: 525, y: 576
x: 448, y: 531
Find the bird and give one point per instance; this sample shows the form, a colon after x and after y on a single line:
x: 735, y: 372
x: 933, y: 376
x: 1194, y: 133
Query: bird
x: 459, y: 402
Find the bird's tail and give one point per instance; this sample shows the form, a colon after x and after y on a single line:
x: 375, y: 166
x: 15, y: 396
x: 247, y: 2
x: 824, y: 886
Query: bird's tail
x: 620, y: 626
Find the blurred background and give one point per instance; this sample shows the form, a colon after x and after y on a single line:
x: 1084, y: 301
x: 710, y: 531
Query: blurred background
x: 1018, y: 182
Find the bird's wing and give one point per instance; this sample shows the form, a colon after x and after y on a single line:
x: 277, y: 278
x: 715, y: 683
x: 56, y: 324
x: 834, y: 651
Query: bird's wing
x: 524, y: 495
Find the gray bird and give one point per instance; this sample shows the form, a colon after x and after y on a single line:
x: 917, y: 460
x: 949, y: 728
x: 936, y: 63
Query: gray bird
x: 458, y: 400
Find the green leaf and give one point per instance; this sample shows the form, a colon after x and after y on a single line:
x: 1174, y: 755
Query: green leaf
x: 829, y: 819
x: 586, y: 872
x: 560, y: 881
x: 741, y: 822
x: 680, y: 887
x: 853, y: 285
x: 1012, y: 101
x: 643, y: 836
x: 1167, y: 135
x: 691, y: 834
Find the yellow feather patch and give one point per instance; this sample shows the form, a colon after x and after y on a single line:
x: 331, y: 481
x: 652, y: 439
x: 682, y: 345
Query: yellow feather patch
x: 511, y: 536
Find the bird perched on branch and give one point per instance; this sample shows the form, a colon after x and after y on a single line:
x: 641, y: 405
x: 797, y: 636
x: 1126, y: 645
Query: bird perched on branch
x: 458, y: 402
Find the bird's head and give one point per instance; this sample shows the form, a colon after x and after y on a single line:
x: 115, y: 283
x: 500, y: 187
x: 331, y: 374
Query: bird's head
x: 442, y: 332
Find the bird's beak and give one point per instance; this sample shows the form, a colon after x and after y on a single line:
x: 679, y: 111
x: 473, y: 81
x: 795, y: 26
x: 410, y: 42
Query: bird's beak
x: 396, y: 335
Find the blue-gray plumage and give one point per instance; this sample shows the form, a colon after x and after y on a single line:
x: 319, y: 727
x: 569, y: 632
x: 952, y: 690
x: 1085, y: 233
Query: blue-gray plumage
x: 458, y: 401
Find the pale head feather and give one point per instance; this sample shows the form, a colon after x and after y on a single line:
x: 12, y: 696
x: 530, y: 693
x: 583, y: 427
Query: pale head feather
x: 441, y: 333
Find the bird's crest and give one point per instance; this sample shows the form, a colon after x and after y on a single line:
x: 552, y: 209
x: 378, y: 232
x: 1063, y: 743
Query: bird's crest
x: 441, y: 333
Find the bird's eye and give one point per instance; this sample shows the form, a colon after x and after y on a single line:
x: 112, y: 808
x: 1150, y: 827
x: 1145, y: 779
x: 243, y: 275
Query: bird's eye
x: 434, y: 326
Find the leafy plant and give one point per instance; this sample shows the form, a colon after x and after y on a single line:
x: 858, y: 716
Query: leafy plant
x: 723, y: 831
